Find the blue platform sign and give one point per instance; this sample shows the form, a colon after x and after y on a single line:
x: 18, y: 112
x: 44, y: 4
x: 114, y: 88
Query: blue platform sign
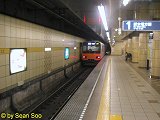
x: 140, y: 25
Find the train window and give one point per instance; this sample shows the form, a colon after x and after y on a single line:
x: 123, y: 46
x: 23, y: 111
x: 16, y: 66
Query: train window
x: 84, y: 48
x: 91, y: 48
x: 18, y: 60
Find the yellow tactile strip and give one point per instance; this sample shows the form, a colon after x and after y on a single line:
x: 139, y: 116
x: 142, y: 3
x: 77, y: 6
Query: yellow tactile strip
x: 115, y: 117
x: 104, y: 112
x: 104, y: 107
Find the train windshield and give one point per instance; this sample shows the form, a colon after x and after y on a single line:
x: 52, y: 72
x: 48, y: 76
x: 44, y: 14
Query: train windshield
x: 91, y: 47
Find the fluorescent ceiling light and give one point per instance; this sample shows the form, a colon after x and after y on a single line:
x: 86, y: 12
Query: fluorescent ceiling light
x: 103, y: 17
x: 108, y: 36
x: 125, y: 2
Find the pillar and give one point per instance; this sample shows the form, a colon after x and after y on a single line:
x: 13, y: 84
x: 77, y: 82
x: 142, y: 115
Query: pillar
x: 142, y: 60
x: 126, y: 46
x: 135, y: 47
x: 155, y: 65
x: 129, y: 47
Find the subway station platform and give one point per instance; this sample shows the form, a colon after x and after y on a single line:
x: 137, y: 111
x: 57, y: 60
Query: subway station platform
x: 115, y: 90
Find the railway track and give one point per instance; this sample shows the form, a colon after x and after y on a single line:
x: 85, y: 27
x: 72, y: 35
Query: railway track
x: 52, y: 105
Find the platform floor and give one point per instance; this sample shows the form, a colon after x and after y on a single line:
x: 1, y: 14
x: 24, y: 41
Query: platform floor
x: 131, y: 96
x: 115, y: 90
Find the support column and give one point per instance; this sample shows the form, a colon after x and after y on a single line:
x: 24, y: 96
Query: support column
x: 142, y: 50
x: 155, y: 65
x: 126, y: 46
x: 135, y: 47
x: 129, y: 45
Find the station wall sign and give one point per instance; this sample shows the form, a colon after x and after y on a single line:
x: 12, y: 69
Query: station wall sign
x: 140, y: 25
x: 66, y: 53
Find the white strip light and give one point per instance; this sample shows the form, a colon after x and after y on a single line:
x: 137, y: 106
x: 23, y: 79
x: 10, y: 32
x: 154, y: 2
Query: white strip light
x: 125, y: 2
x: 103, y: 17
x: 108, y: 36
x: 47, y: 49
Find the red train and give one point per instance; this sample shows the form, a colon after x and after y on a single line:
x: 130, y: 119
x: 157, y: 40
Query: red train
x: 92, y: 52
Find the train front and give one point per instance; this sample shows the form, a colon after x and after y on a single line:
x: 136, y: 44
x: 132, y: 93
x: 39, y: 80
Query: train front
x: 91, y: 53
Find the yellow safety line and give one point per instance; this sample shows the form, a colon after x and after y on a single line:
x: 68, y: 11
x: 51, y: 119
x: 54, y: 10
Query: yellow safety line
x: 103, y: 112
x: 104, y: 107
x: 115, y: 117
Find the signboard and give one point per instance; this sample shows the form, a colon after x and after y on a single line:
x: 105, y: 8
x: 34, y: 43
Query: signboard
x: 18, y: 60
x: 140, y: 25
x: 66, y: 53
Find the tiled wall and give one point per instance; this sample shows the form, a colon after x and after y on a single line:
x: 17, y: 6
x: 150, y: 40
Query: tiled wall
x: 16, y: 33
x: 117, y: 49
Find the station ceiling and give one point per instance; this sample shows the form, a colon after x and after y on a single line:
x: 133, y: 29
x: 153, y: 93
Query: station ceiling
x: 50, y: 13
x: 62, y: 14
x: 114, y: 9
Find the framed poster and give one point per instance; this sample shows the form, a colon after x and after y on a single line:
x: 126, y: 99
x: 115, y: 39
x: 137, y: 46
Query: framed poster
x: 18, y: 60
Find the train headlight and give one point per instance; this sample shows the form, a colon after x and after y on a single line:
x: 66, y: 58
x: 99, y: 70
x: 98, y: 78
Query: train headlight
x: 84, y: 56
x: 98, y: 57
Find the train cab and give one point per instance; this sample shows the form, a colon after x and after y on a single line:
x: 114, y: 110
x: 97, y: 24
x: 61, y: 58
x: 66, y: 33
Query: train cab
x: 92, y: 52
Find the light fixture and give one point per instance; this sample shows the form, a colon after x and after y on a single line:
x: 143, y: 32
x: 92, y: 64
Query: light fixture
x: 89, y: 43
x: 47, y: 49
x: 103, y: 17
x: 119, y: 31
x: 151, y: 33
x: 108, y: 35
x: 116, y: 29
x: 125, y: 2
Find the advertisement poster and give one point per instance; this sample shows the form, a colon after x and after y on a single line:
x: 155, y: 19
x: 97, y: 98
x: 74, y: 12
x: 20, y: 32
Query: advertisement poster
x: 18, y: 60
